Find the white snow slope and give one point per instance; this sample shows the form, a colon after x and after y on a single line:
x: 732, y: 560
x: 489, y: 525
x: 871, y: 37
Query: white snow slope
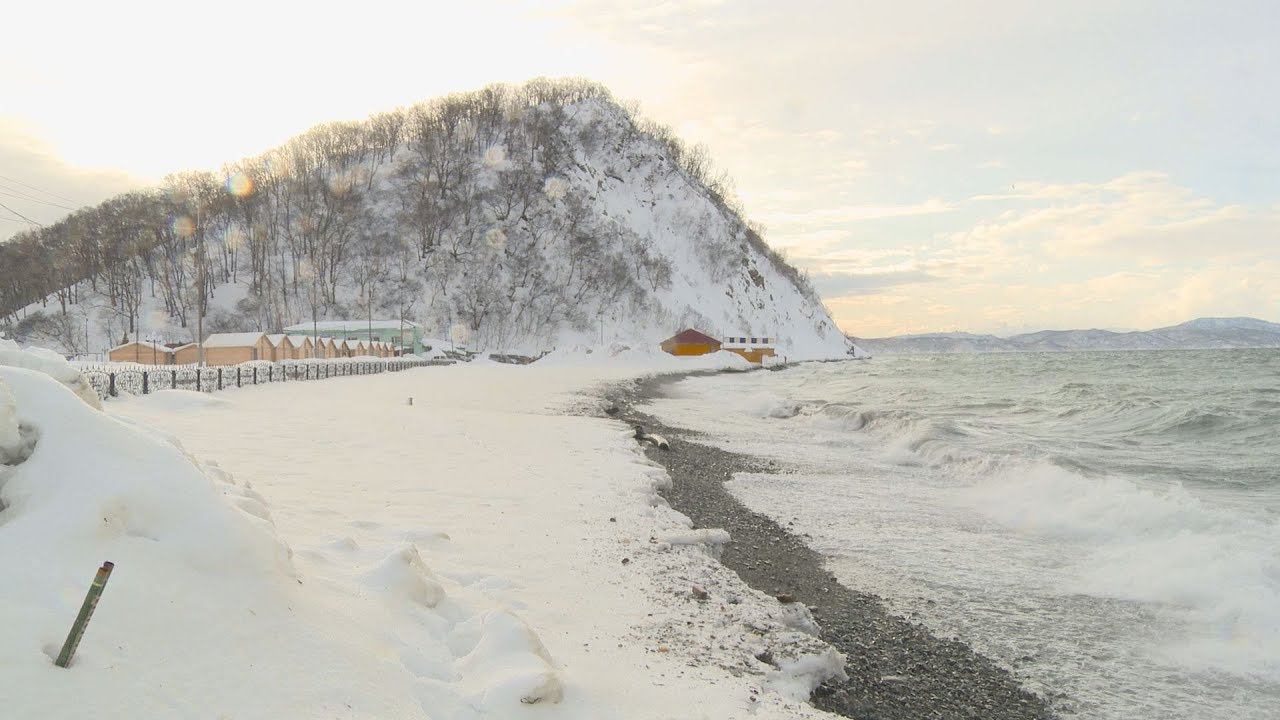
x: 633, y: 198
x: 337, y: 552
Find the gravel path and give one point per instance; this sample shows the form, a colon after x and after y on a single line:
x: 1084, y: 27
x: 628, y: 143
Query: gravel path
x: 897, y: 670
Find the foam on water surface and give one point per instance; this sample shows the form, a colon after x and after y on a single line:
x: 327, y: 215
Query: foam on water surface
x: 1105, y: 524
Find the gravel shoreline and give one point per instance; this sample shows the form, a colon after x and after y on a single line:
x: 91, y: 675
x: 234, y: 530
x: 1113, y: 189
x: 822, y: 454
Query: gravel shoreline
x: 897, y: 670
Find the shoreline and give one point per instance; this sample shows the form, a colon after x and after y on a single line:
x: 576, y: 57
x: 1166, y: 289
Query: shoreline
x: 897, y: 670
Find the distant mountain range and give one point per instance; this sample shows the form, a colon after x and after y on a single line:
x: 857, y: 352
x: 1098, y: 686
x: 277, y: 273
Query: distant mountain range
x: 1202, y: 333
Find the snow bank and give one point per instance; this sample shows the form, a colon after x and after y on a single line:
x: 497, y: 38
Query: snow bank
x: 50, y: 363
x: 186, y: 400
x: 207, y: 613
x: 10, y: 436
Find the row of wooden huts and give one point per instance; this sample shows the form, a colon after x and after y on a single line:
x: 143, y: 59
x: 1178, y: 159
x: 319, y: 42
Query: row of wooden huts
x: 235, y: 348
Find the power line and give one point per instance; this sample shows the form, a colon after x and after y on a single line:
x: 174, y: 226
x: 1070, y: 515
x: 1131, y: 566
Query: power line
x: 33, y: 187
x: 24, y: 217
x: 23, y: 196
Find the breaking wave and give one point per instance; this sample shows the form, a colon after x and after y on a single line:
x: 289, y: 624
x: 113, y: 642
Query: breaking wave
x: 1142, y: 490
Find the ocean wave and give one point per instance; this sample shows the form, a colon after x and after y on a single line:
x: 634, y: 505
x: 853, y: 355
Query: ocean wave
x: 1159, y: 546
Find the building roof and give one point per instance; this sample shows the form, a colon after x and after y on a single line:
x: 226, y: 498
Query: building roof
x: 276, y: 338
x: 350, y: 325
x: 244, y: 339
x: 144, y: 343
x: 693, y: 336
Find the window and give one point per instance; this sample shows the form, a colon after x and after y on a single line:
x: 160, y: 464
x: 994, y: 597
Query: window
x: 764, y: 341
x: 753, y: 341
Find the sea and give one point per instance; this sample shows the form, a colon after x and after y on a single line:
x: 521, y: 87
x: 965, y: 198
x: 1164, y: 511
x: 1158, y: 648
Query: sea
x: 1104, y: 524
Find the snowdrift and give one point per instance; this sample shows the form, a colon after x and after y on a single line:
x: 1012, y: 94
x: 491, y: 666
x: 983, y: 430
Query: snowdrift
x: 206, y: 614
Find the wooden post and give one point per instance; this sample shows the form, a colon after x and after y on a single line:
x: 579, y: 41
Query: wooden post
x: 86, y: 612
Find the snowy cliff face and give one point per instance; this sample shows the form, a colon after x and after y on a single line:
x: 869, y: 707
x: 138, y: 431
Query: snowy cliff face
x: 1203, y: 333
x: 523, y: 218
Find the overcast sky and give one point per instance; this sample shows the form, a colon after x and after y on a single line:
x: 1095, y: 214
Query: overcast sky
x: 992, y: 166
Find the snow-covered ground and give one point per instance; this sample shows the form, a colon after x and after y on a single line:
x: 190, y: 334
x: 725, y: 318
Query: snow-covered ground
x: 331, y: 550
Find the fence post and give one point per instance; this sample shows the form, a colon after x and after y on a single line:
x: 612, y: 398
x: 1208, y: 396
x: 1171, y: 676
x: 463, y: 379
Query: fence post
x: 239, y: 381
x: 111, y: 384
x: 255, y: 374
x: 145, y: 382
x: 173, y: 379
x: 199, y: 372
x: 219, y: 378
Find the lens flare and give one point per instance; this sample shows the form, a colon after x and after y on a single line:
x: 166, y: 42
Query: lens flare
x: 239, y: 184
x: 496, y: 239
x: 183, y: 226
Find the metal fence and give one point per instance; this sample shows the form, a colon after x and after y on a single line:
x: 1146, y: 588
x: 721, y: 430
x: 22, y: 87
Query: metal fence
x: 114, y: 379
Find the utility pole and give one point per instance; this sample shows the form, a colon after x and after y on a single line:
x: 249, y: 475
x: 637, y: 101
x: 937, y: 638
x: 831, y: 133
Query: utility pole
x: 200, y: 279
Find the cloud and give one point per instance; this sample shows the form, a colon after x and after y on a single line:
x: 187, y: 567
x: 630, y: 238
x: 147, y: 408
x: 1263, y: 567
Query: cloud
x: 1142, y: 216
x: 839, y: 285
x: 38, y: 184
x: 858, y: 213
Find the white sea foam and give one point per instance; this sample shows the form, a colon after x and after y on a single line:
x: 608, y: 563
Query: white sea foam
x: 1106, y: 524
x: 1154, y: 545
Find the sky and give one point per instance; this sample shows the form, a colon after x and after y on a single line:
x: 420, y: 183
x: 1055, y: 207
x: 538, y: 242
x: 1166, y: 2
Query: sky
x: 980, y: 165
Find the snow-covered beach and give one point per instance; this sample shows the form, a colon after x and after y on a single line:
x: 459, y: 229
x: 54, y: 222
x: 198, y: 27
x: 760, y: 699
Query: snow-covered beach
x: 493, y: 549
x: 895, y: 668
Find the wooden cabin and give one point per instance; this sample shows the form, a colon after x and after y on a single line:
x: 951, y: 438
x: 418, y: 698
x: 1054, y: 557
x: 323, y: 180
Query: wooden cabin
x: 754, y: 348
x: 302, y: 346
x: 188, y: 354
x: 145, y: 352
x: 332, y: 348
x: 281, y: 347
x: 235, y: 348
x: 690, y: 342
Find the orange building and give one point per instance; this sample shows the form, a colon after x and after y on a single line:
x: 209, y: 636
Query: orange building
x: 754, y: 349
x: 690, y: 342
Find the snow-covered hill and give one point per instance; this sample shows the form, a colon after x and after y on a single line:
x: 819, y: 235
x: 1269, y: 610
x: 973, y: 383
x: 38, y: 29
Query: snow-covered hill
x: 1196, y: 334
x: 527, y: 218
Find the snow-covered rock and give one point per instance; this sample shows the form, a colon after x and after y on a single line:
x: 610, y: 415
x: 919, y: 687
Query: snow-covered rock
x: 52, y: 364
x: 10, y: 435
x: 590, y: 225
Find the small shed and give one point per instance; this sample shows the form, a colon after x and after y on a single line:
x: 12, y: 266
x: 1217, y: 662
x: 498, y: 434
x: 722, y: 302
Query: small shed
x: 145, y: 352
x: 281, y: 347
x: 690, y: 342
x: 235, y: 348
x: 331, y: 348
x: 188, y: 354
x: 302, y: 346
x: 358, y: 348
